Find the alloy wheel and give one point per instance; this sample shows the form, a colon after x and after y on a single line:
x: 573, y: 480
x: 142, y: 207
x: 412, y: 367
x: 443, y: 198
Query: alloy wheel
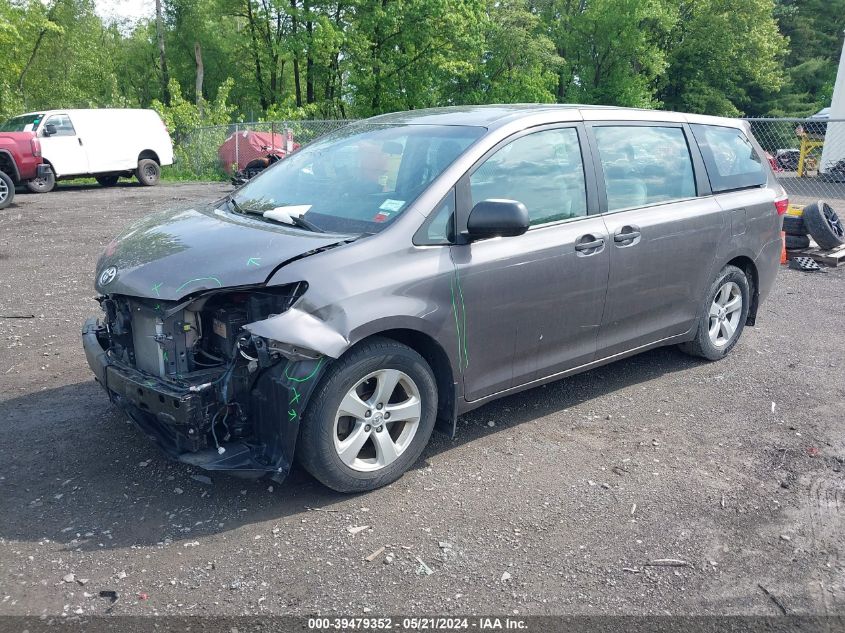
x: 4, y: 191
x: 377, y: 420
x: 725, y: 312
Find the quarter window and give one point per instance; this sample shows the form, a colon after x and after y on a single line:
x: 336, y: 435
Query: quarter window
x: 63, y: 125
x: 644, y: 165
x: 543, y: 170
x: 730, y: 158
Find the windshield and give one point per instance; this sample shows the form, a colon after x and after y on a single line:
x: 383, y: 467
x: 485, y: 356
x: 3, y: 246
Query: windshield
x: 357, y: 179
x: 24, y: 123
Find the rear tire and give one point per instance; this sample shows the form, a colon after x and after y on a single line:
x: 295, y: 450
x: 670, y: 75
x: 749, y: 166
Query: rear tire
x: 347, y: 440
x: 7, y: 190
x: 43, y: 184
x: 721, y: 322
x: 107, y: 180
x: 148, y: 172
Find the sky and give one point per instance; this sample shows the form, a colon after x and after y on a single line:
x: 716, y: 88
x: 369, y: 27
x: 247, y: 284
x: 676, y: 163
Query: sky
x: 118, y: 10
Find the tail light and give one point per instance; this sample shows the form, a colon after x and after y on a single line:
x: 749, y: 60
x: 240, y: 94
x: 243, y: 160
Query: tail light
x: 782, y: 202
x: 35, y: 144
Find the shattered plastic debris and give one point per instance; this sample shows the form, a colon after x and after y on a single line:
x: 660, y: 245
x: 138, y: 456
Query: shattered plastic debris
x: 506, y: 577
x: 357, y: 529
x: 375, y: 555
x: 423, y: 569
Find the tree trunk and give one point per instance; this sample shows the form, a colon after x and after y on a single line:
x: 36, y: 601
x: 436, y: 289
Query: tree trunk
x: 200, y: 76
x: 309, y: 60
x: 296, y: 82
x: 162, y: 56
x: 259, y: 77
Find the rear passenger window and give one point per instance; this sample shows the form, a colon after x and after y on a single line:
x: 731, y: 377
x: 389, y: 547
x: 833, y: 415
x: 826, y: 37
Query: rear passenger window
x: 644, y: 165
x: 730, y: 158
x: 543, y: 170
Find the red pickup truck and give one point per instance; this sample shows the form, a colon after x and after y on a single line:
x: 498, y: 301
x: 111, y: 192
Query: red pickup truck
x: 20, y: 162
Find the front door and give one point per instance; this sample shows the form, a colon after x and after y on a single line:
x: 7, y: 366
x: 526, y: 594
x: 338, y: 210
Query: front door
x: 63, y: 149
x: 530, y: 306
x: 663, y: 234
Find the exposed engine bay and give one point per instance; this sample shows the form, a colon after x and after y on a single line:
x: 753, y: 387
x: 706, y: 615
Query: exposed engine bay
x: 205, y: 389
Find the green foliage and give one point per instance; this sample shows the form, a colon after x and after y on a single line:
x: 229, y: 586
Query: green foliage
x: 324, y: 59
x: 195, y: 136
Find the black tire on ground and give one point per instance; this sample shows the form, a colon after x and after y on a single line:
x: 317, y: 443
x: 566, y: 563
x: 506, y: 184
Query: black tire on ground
x: 148, y: 172
x: 702, y: 345
x: 795, y: 242
x: 7, y: 190
x: 316, y: 446
x: 107, y: 180
x: 824, y: 225
x: 44, y: 184
x: 794, y: 225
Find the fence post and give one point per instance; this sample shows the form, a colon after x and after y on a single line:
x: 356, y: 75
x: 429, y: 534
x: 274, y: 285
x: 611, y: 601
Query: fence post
x: 237, y: 148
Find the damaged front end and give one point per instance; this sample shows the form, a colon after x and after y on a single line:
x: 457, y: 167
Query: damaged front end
x: 194, y: 380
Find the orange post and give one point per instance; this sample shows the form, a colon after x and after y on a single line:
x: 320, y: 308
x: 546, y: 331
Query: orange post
x: 783, y: 258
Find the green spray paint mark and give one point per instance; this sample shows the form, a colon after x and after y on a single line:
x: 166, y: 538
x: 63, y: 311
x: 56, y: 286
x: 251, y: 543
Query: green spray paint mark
x: 164, y: 355
x: 156, y: 287
x: 296, y: 396
x: 457, y: 322
x: 308, y: 377
x: 463, y: 318
x: 190, y: 281
x: 291, y: 415
x: 253, y: 261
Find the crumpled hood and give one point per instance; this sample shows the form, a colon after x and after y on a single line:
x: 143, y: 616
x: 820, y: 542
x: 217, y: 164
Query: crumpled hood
x: 176, y: 253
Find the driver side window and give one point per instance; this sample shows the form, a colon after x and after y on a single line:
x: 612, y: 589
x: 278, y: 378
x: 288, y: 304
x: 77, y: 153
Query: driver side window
x: 62, y: 123
x: 543, y: 170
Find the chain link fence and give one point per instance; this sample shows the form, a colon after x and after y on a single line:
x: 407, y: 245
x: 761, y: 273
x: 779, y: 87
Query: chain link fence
x: 217, y: 152
x: 807, y: 155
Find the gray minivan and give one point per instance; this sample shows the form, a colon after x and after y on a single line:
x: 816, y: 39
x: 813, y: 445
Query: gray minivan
x: 413, y: 266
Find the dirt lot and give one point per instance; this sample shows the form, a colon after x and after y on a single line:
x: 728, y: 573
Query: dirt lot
x: 549, y: 502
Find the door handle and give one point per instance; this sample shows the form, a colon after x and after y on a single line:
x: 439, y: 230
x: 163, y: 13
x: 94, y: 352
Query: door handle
x: 588, y: 243
x: 627, y: 234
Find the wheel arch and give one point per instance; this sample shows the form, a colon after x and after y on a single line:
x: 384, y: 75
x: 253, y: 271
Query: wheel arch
x: 148, y: 153
x: 746, y: 264
x: 9, y: 166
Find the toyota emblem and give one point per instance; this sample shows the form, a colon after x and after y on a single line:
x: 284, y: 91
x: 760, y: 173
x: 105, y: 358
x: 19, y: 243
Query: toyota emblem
x: 108, y: 275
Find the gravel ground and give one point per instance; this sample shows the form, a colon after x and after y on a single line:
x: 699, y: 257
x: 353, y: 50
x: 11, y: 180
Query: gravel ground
x: 553, y: 501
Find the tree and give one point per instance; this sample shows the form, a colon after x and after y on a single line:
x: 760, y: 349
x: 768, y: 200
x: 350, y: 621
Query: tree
x: 721, y: 54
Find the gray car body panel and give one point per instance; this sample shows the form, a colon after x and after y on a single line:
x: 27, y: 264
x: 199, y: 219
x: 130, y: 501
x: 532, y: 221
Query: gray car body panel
x: 507, y: 313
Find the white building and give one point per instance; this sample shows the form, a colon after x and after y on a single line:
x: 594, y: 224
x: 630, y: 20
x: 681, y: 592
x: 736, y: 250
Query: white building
x: 834, y: 141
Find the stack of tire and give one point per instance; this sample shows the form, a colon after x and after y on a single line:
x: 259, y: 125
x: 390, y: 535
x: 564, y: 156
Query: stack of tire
x: 817, y: 220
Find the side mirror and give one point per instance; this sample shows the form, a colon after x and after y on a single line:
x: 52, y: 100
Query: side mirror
x: 497, y: 218
x: 49, y: 129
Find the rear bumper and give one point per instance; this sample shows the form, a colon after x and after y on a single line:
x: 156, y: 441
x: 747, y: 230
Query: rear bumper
x: 179, y: 418
x: 43, y: 171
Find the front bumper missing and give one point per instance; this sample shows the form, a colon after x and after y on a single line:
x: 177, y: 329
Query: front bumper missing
x: 178, y: 419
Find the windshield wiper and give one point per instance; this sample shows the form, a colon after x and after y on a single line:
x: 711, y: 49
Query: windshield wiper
x: 234, y: 204
x: 296, y: 220
x: 302, y: 223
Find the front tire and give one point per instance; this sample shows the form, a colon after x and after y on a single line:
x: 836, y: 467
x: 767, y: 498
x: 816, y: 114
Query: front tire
x: 722, y: 316
x: 369, y: 418
x: 42, y: 184
x: 148, y: 172
x: 7, y: 190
